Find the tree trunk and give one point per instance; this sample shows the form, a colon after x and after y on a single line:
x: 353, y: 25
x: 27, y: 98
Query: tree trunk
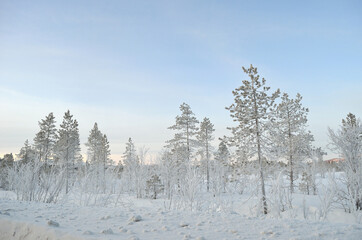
x: 290, y: 155
x: 187, y: 142
x: 67, y: 173
x: 257, y: 128
x: 207, y: 163
x: 265, y: 208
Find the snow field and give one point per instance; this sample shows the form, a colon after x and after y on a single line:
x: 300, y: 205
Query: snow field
x: 146, y: 219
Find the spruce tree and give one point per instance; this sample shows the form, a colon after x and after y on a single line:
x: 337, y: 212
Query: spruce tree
x: 5, y: 164
x: 94, y: 145
x: 221, y: 164
x: 45, y: 139
x: 105, y: 152
x: 67, y: 148
x: 130, y: 156
x: 251, y: 110
x: 349, y: 122
x: 131, y: 163
x: 98, y: 155
x: 223, y: 154
x: 205, y: 136
x: 183, y: 143
x: 26, y: 154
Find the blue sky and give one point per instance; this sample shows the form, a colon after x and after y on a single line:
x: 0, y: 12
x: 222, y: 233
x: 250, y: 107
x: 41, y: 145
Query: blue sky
x: 128, y: 65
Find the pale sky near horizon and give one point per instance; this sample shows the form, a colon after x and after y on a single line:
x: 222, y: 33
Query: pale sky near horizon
x: 128, y: 65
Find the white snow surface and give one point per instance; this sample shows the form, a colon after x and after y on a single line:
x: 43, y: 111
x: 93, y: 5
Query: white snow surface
x: 34, y: 220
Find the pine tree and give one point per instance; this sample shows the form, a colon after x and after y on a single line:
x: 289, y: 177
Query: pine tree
x: 98, y: 155
x: 187, y: 129
x: 304, y: 185
x: 131, y: 163
x: 45, y: 139
x: 105, y: 152
x: 289, y: 132
x: 223, y: 154
x: 26, y: 154
x: 67, y: 147
x: 251, y: 110
x: 205, y: 136
x: 130, y: 159
x: 182, y: 145
x: 349, y: 122
x: 94, y: 145
x: 221, y: 165
x: 154, y: 186
x: 5, y: 164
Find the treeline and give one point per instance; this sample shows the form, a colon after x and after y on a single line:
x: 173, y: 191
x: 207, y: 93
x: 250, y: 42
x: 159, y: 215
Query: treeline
x: 270, y: 139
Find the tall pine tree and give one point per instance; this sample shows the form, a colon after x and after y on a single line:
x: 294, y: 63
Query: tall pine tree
x: 187, y: 130
x: 45, y: 139
x: 251, y: 110
x: 221, y: 166
x: 205, y: 136
x: 131, y: 164
x: 67, y: 147
x: 98, y: 155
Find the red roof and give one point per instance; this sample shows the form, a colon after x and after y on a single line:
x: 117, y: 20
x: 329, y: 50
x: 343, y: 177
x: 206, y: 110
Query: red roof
x: 335, y: 160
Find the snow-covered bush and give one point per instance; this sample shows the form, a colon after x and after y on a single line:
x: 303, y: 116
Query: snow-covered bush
x: 328, y: 196
x: 36, y: 181
x: 169, y: 168
x: 347, y: 141
x: 5, y: 163
x: 189, y: 187
x: 279, y: 195
x: 88, y: 192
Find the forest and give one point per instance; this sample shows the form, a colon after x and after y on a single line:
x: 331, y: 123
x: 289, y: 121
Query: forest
x: 266, y: 167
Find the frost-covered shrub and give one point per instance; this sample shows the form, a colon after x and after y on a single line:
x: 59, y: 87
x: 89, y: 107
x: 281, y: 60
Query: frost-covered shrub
x: 5, y: 163
x: 347, y: 141
x: 36, y: 181
x: 327, y: 196
x: 189, y: 187
x: 89, y: 191
x: 281, y: 198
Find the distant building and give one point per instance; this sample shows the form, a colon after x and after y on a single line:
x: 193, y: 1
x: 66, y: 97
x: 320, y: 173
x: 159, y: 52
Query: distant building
x: 334, y: 160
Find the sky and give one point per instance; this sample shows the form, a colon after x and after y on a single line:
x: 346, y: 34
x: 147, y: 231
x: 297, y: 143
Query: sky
x: 129, y: 65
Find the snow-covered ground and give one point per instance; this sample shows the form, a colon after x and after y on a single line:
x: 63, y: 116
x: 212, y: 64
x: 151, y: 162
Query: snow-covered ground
x: 148, y: 219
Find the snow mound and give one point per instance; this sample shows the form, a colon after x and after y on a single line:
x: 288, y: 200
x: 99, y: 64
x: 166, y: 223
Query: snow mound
x: 53, y: 223
x: 88, y: 232
x: 13, y: 230
x: 107, y: 231
x: 184, y: 224
x: 135, y: 218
